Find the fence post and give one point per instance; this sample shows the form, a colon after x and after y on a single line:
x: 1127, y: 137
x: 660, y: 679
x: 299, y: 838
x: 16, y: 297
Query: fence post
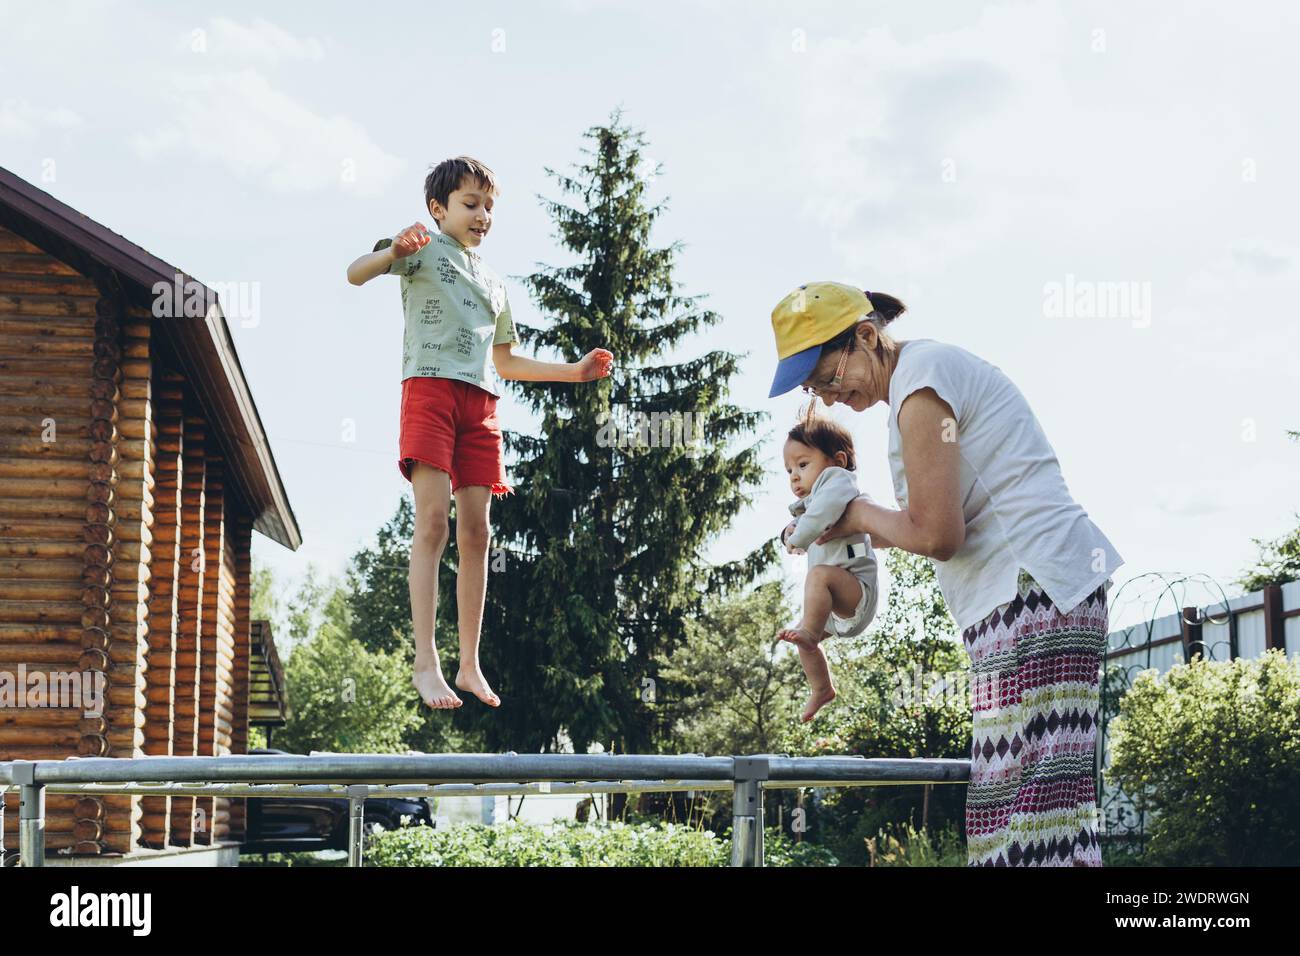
x: 1234, y: 641
x: 1192, y: 641
x: 31, y: 814
x: 356, y: 821
x: 1274, y: 626
x: 747, y: 811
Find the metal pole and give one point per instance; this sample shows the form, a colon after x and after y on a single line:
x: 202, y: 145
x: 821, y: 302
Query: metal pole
x: 747, y: 811
x: 356, y: 822
x: 390, y: 790
x: 31, y: 814
x: 445, y: 774
x: 384, y: 768
x: 563, y: 771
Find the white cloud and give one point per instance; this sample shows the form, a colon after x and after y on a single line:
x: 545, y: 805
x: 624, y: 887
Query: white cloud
x: 1033, y: 127
x: 1262, y: 257
x: 1193, y: 498
x: 262, y: 40
x: 264, y: 135
x: 20, y: 119
x: 884, y: 127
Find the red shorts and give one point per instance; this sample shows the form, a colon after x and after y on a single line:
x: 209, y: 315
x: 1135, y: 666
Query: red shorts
x: 452, y: 426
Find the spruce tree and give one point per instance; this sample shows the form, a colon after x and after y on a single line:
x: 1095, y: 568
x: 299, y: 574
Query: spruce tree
x: 597, y: 560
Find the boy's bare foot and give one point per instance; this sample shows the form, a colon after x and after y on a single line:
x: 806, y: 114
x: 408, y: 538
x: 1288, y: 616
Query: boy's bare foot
x: 471, y: 681
x: 434, y: 689
x: 818, y: 699
x: 799, y: 636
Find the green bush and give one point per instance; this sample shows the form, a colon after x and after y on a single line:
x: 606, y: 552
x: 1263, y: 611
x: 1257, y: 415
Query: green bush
x: 780, y: 850
x: 568, y: 843
x: 1125, y: 850
x: 307, y: 858
x: 904, y: 845
x: 560, y: 844
x: 1211, y: 751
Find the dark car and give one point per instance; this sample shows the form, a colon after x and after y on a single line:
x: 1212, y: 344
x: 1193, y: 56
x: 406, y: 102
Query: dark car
x: 303, y: 824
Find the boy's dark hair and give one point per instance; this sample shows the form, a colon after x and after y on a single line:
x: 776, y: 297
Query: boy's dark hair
x: 446, y: 177
x: 826, y: 435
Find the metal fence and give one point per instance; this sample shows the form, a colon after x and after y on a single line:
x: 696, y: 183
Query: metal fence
x: 358, y: 777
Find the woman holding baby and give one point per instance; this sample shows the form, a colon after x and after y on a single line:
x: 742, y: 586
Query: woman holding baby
x: 1024, y: 571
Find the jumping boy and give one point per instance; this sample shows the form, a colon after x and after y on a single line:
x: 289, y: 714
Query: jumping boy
x: 457, y: 318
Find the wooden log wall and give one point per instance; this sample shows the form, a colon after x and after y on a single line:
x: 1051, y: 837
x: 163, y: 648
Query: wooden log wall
x: 58, y: 394
x: 132, y: 580
x: 160, y: 675
x: 214, y: 625
x: 92, y: 820
x: 189, y: 620
x: 123, y: 557
x: 223, y: 706
x: 242, y: 550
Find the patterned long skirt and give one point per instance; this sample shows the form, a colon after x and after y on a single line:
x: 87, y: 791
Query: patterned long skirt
x: 1032, y: 799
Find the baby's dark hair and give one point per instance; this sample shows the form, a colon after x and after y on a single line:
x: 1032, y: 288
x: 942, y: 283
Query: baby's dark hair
x: 446, y: 177
x: 825, y: 434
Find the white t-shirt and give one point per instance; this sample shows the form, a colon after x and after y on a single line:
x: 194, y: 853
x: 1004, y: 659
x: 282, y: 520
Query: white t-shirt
x: 1018, y: 510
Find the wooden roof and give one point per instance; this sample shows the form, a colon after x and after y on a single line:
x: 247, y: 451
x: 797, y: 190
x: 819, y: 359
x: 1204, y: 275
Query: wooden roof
x: 202, y: 346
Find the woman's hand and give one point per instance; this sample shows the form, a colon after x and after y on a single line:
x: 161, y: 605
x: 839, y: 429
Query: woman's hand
x: 853, y: 521
x: 595, y: 364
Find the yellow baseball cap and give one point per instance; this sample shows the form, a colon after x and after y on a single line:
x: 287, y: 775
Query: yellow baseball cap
x: 804, y: 320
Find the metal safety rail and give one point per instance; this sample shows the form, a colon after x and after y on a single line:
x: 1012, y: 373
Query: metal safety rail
x: 357, y: 777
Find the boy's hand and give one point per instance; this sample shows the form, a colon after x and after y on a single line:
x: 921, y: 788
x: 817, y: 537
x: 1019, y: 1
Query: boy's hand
x: 410, y: 240
x: 595, y: 364
x: 788, y: 528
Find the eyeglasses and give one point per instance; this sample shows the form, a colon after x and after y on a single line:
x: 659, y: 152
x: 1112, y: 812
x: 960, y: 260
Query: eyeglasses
x: 834, y: 387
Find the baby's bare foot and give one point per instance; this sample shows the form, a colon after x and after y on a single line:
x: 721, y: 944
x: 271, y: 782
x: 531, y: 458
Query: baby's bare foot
x: 818, y: 699
x: 800, y: 636
x: 434, y: 690
x: 472, y: 681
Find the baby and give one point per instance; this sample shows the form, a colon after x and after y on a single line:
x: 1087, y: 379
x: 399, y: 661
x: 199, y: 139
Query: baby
x: 841, y: 583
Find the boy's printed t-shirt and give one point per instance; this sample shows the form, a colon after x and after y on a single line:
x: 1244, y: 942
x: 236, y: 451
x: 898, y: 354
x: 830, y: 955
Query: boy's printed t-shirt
x: 456, y: 310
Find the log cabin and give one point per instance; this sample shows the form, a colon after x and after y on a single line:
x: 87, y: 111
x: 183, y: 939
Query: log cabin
x: 134, y: 470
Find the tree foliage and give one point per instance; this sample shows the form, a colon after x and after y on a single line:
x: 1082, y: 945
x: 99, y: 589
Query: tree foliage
x: 604, y: 539
x: 1279, y: 559
x: 732, y: 687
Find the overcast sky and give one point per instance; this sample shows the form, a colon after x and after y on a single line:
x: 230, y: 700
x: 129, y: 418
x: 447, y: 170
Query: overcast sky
x: 994, y: 165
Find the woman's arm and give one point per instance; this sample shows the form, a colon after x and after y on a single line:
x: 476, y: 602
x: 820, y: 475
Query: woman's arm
x: 932, y: 524
x: 879, y: 541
